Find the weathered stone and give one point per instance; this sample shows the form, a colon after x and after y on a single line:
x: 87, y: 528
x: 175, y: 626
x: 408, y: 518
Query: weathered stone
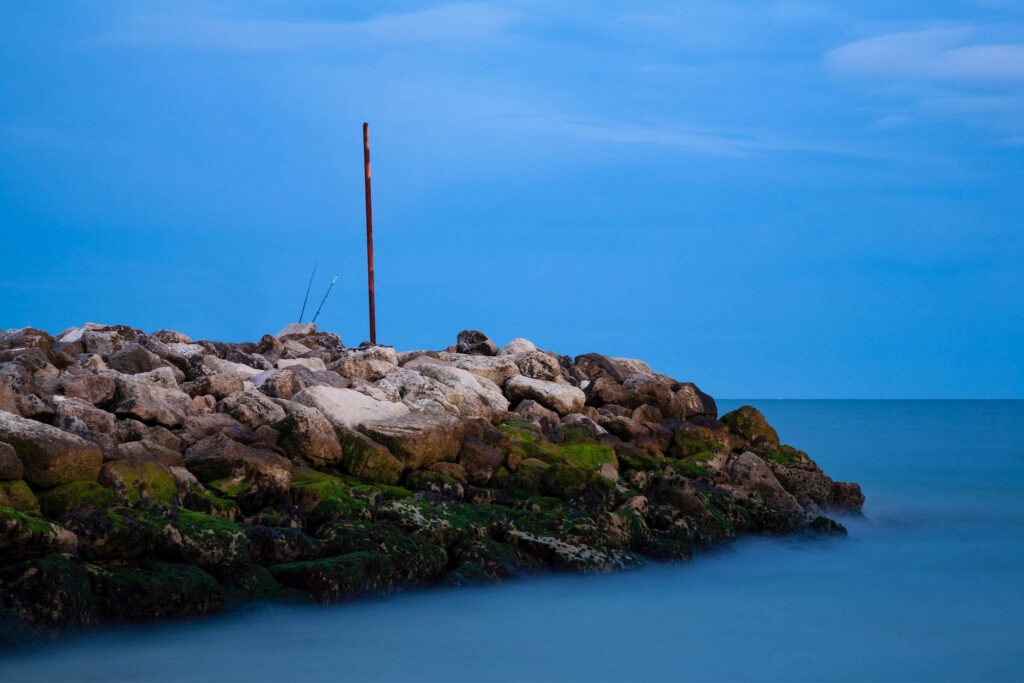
x: 561, y: 398
x: 495, y: 369
x: 516, y: 347
x: 10, y: 465
x: 74, y: 496
x: 133, y: 359
x: 418, y: 439
x: 479, y: 460
x: 347, y: 408
x: 250, y: 408
x: 153, y: 590
x: 94, y: 418
x: 307, y: 435
x: 311, y: 364
x: 749, y: 423
x: 593, y: 365
x: 23, y: 537
x: 419, y: 392
x: 253, y: 477
x: 538, y: 365
x: 50, y: 593
x: 476, y: 343
x: 365, y: 458
x: 531, y: 410
x: 49, y: 456
x: 296, y: 331
x: 17, y: 495
x: 451, y: 469
x: 147, y: 451
x: 642, y: 389
x: 172, y: 337
x: 94, y: 389
x: 695, y: 402
x: 8, y: 401
x: 750, y: 474
x: 151, y: 403
x: 132, y: 480
x: 847, y: 495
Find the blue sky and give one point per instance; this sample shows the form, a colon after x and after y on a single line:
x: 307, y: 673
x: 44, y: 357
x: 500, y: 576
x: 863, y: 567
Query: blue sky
x: 790, y: 199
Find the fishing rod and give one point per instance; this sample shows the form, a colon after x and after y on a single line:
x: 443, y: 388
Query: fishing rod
x: 306, y: 298
x: 333, y: 280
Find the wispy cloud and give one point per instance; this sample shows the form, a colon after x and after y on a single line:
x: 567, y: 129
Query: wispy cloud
x: 448, y: 23
x: 936, y: 55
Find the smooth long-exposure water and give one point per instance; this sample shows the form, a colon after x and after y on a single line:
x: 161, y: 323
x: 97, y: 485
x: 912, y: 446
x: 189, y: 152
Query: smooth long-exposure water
x: 929, y: 586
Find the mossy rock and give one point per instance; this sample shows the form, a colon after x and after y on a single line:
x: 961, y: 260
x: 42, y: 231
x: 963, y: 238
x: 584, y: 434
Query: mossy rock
x: 693, y: 467
x: 50, y: 593
x: 200, y: 500
x: 787, y: 456
x: 355, y: 575
x: 569, y: 482
x: 686, y: 444
x: 631, y: 458
x: 113, y: 533
x: 327, y: 498
x: 416, y: 560
x: 75, y: 496
x: 153, y: 590
x: 231, y: 487
x: 527, y: 443
x: 493, y: 559
x: 133, y: 480
x: 257, y: 584
x: 588, y: 455
x: 25, y: 536
x: 574, y: 434
x: 749, y: 423
x: 14, y: 632
x: 187, y: 537
x: 17, y: 495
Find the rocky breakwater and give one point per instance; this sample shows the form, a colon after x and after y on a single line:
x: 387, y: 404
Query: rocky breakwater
x: 148, y: 476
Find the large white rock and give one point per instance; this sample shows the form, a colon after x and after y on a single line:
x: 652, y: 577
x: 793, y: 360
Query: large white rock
x: 348, y: 408
x: 561, y: 398
x: 517, y: 346
x: 313, y: 364
x: 421, y: 393
x: 243, y: 372
x: 495, y: 368
x: 296, y: 331
x: 480, y: 397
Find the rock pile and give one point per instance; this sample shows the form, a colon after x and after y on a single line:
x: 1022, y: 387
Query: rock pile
x: 146, y: 476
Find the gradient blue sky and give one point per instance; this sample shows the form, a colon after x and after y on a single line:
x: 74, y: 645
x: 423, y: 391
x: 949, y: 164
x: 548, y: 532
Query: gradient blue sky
x: 774, y: 199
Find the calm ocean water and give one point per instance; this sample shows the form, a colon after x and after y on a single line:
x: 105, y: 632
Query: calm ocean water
x: 928, y: 587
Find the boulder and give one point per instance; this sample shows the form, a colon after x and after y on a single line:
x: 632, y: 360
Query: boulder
x: 23, y: 537
x: 69, y: 409
x: 561, y: 398
x: 751, y: 475
x: 347, y: 408
x: 479, y: 460
x: 603, y: 391
x: 17, y: 495
x: 311, y: 364
x: 307, y: 435
x: 642, y: 389
x: 516, y: 347
x: 538, y: 365
x: 420, y: 392
x: 153, y: 590
x: 476, y: 343
x: 475, y: 396
x: 496, y: 369
x: 49, y: 456
x: 254, y: 477
x: 846, y: 495
x: 10, y: 465
x: 8, y: 402
x: 593, y: 365
x: 695, y: 402
x: 133, y: 480
x: 370, y: 363
x: 365, y: 458
x: 531, y: 410
x: 296, y: 331
x: 74, y: 496
x: 250, y: 408
x: 419, y: 439
x: 151, y: 403
x: 133, y: 359
x: 171, y: 337
x: 147, y: 451
x: 748, y: 422
x: 50, y: 593
x: 94, y: 389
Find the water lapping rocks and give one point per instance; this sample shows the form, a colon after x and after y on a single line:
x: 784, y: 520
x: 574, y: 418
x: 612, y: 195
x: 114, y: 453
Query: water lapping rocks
x: 147, y: 476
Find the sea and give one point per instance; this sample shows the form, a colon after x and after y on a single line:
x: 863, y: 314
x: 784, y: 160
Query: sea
x: 928, y: 586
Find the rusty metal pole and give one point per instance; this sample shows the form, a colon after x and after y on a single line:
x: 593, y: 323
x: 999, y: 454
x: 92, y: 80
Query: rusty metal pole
x: 369, y: 230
